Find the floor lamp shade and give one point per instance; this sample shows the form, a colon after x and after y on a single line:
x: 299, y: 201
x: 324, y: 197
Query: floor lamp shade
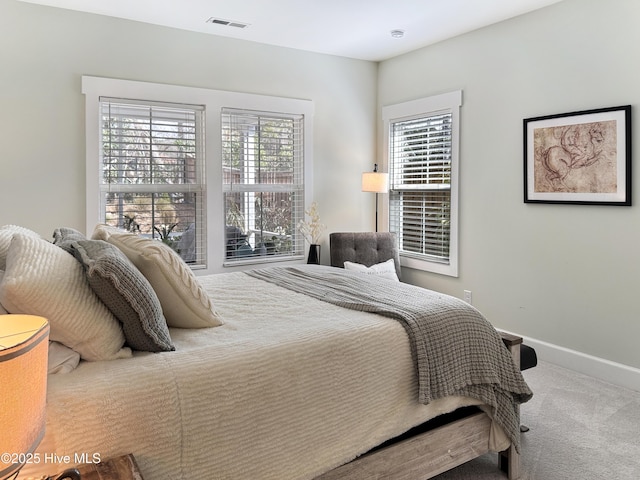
x: 24, y: 349
x: 376, y: 182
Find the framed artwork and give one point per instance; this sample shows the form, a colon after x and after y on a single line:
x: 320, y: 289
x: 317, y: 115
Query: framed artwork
x: 579, y: 157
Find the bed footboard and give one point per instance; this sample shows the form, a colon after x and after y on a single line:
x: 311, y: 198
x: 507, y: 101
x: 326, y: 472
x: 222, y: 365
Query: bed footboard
x: 421, y: 456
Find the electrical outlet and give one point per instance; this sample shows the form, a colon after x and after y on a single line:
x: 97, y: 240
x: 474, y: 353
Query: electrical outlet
x: 467, y: 297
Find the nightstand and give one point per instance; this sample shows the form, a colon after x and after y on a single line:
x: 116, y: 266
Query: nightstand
x: 118, y: 468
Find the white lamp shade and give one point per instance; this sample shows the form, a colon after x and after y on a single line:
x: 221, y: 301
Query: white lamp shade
x: 376, y: 182
x: 24, y: 349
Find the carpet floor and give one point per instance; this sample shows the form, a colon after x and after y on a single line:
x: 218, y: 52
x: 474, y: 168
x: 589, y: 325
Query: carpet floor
x: 580, y: 428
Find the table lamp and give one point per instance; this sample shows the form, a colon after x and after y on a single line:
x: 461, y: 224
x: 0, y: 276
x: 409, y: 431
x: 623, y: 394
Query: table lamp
x: 24, y: 349
x: 24, y: 356
x: 376, y: 182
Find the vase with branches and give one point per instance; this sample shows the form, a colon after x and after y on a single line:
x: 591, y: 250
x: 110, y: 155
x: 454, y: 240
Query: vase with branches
x: 312, y: 230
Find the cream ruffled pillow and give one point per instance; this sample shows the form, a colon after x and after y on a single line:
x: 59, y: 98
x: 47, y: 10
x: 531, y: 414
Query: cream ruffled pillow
x: 185, y: 303
x: 42, y: 279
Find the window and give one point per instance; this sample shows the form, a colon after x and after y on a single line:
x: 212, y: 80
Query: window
x: 179, y: 164
x: 263, y: 184
x: 422, y: 148
x: 151, y: 172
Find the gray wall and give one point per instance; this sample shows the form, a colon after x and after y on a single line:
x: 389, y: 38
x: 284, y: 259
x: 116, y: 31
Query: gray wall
x: 44, y: 52
x: 567, y: 275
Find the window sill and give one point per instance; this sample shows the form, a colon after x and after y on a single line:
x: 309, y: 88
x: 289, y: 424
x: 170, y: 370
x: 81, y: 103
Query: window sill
x: 449, y: 269
x: 261, y: 260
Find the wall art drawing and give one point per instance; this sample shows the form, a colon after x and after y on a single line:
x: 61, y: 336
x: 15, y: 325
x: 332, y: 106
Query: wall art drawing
x: 579, y: 158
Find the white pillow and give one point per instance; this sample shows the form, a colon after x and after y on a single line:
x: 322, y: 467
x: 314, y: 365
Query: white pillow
x: 42, y: 279
x: 6, y: 234
x: 104, y: 231
x: 185, y: 304
x: 61, y: 358
x: 382, y: 270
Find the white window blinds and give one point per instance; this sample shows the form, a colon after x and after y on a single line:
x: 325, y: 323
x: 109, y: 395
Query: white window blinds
x: 152, y: 172
x: 263, y: 184
x: 420, y: 185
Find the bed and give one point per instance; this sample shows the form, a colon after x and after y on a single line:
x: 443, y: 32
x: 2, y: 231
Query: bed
x: 285, y: 385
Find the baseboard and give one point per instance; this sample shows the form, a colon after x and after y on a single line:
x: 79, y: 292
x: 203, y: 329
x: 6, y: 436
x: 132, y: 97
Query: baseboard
x: 606, y: 370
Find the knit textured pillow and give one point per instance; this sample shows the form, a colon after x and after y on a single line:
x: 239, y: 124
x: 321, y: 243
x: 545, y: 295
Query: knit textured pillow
x: 6, y: 234
x: 42, y: 279
x: 2, y: 309
x: 63, y: 236
x: 184, y: 302
x: 126, y: 293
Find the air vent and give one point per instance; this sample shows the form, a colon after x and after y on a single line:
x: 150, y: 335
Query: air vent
x: 227, y: 23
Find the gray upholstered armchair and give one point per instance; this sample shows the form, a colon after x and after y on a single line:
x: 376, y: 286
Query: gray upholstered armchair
x: 366, y: 248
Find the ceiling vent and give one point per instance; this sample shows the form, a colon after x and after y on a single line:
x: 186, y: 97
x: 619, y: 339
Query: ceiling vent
x: 227, y: 23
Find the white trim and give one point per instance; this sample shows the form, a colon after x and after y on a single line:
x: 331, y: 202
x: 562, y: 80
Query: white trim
x: 600, y: 368
x: 451, y: 101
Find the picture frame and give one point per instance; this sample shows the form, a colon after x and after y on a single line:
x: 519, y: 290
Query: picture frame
x: 580, y: 158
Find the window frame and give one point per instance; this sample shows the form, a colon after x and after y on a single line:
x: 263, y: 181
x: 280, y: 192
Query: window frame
x: 249, y: 187
x: 214, y: 101
x: 156, y: 114
x: 425, y: 107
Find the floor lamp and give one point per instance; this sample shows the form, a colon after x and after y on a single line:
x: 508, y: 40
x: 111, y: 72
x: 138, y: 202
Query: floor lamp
x: 376, y: 182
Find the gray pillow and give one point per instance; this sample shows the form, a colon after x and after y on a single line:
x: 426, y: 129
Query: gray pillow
x: 126, y: 293
x: 63, y: 237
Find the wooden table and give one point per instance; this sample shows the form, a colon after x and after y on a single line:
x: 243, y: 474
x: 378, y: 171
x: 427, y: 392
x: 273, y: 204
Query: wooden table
x: 119, y: 468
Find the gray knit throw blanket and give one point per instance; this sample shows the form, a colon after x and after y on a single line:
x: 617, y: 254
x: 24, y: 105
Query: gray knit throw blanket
x: 456, y: 350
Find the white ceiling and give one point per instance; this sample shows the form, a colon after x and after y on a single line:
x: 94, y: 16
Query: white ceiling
x: 350, y: 28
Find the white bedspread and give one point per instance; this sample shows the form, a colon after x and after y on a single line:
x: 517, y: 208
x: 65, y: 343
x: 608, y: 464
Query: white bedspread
x: 288, y: 388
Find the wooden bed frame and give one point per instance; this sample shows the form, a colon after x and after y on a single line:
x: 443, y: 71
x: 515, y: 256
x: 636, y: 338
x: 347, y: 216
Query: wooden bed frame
x: 434, y: 451
x: 422, y: 453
